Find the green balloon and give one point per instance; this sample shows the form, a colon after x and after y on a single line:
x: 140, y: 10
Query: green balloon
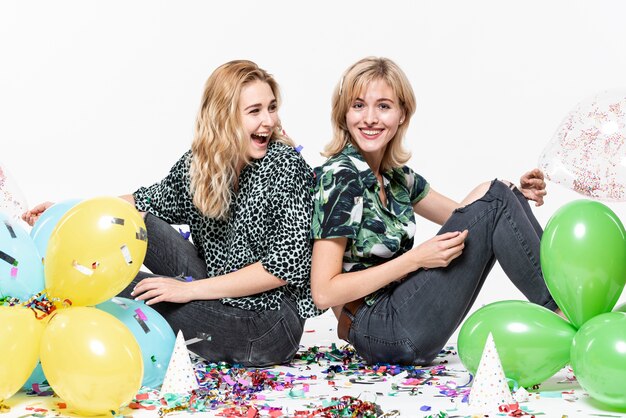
x: 598, y: 358
x: 583, y: 258
x: 533, y: 342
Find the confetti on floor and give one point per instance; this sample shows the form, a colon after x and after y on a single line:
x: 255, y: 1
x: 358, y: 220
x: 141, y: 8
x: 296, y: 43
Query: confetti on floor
x: 328, y: 379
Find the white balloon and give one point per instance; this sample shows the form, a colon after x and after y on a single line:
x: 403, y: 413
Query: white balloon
x: 12, y: 202
x: 587, y: 152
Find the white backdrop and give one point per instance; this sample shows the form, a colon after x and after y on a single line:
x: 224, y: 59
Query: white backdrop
x: 98, y: 98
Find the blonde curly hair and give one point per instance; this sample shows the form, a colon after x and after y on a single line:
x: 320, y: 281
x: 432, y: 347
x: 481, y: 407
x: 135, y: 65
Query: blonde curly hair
x: 220, y: 143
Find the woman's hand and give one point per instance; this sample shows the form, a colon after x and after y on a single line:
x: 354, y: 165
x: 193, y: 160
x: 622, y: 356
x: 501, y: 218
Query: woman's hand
x: 163, y: 289
x: 31, y: 216
x: 533, y: 186
x: 440, y: 250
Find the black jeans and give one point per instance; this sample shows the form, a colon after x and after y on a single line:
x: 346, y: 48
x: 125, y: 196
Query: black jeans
x: 412, y: 321
x: 226, y: 333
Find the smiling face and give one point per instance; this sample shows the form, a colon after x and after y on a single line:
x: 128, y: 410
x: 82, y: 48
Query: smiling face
x: 373, y: 120
x: 258, y: 110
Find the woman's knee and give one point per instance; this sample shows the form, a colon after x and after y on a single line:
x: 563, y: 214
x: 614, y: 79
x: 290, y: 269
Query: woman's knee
x: 494, y: 188
x: 156, y: 226
x: 502, y: 189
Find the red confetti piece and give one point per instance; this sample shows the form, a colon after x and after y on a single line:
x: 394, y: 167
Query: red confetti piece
x: 513, y: 410
x: 137, y: 405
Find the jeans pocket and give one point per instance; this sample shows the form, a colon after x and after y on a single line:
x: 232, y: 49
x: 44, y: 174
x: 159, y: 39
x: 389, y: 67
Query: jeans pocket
x: 277, y: 345
x: 379, y: 350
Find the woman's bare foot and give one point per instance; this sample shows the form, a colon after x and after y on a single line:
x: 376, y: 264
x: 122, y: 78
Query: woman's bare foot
x: 560, y: 313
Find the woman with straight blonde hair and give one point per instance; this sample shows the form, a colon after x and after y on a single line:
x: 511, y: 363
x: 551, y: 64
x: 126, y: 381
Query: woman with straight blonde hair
x: 241, y: 289
x: 394, y: 302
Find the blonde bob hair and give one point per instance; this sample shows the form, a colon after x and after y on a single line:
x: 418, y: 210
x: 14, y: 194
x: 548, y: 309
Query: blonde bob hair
x: 352, y: 84
x: 220, y: 143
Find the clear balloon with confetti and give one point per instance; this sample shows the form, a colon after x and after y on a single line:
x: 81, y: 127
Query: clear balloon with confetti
x: 587, y: 152
x: 12, y: 202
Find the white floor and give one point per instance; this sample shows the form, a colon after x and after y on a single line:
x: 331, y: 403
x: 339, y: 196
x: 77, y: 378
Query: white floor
x: 560, y: 396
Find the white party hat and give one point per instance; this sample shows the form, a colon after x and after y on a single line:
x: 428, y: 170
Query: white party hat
x: 180, y: 377
x: 521, y: 395
x: 490, y: 388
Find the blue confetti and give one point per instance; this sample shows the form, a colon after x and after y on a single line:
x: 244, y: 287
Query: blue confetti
x: 184, y: 234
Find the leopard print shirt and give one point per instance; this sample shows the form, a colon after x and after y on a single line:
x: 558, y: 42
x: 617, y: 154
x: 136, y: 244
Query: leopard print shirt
x: 270, y: 218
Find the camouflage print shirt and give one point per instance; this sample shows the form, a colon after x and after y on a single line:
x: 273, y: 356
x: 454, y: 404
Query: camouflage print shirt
x: 347, y: 204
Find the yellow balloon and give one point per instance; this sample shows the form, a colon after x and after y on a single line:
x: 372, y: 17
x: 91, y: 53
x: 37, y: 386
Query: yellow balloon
x: 20, y: 336
x: 91, y: 360
x: 95, y: 251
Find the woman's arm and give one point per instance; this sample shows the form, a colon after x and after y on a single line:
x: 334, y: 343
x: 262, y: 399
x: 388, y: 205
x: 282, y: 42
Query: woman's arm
x: 247, y: 281
x: 435, y: 207
x: 31, y: 216
x: 438, y: 208
x: 330, y: 287
x: 129, y: 198
x: 160, y: 189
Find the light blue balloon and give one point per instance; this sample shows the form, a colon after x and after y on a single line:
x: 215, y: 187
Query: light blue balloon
x: 47, y: 221
x: 152, y: 332
x: 21, y: 269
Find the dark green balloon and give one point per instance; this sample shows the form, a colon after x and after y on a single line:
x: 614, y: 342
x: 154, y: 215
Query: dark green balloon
x: 583, y: 258
x: 598, y: 358
x: 533, y: 342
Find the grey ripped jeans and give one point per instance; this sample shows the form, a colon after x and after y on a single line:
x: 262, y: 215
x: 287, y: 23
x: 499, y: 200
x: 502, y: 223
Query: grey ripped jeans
x: 226, y: 333
x: 412, y: 321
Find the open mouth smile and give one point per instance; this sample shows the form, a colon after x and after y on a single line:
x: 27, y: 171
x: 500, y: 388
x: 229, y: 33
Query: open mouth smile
x: 261, y: 138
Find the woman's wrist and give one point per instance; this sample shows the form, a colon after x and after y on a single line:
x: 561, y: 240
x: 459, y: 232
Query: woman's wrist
x: 199, y: 289
x: 411, y: 262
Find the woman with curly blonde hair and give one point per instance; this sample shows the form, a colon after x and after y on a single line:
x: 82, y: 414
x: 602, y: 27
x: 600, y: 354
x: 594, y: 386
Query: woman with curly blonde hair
x: 241, y: 289
x: 221, y: 145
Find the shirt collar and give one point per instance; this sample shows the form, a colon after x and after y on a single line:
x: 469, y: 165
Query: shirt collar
x: 365, y: 172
